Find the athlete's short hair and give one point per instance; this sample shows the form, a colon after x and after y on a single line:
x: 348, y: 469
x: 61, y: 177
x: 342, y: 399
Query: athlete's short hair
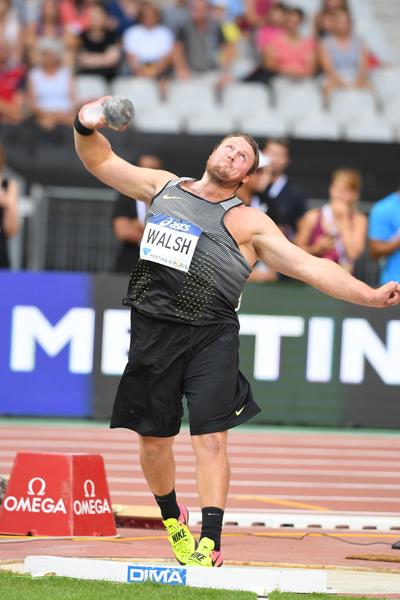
x: 250, y: 140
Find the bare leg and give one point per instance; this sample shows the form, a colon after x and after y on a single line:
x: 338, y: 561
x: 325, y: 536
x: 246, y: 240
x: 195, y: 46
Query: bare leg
x: 212, y: 468
x: 158, y: 463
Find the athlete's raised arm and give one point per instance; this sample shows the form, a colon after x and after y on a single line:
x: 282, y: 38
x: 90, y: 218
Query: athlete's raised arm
x: 273, y: 248
x: 96, y: 153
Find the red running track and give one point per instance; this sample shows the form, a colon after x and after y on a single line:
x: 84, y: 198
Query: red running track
x: 271, y: 469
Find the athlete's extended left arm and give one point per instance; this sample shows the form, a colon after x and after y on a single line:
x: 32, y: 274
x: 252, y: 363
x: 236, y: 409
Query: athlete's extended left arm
x: 281, y: 255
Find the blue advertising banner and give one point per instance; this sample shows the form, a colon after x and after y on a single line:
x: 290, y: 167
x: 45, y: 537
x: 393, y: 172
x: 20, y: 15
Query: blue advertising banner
x: 310, y: 359
x: 46, y: 346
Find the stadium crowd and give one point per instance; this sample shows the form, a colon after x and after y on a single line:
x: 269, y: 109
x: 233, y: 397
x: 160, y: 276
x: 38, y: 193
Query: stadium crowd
x: 44, y: 44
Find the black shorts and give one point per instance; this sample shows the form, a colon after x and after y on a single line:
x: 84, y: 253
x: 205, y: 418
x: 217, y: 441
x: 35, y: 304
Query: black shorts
x: 168, y: 361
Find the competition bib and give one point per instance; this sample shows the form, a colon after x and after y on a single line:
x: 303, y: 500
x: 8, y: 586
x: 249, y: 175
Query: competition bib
x: 169, y: 241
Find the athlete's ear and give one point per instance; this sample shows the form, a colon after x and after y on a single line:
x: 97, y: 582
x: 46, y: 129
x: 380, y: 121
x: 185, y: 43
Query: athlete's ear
x: 245, y: 179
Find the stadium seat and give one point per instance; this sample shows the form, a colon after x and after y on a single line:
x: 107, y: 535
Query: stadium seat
x: 142, y: 91
x: 209, y: 77
x: 317, y: 126
x: 210, y: 121
x: 387, y: 84
x: 189, y: 97
x: 369, y: 29
x: 242, y: 67
x: 240, y: 99
x: 348, y: 106
x: 90, y: 87
x: 391, y: 113
x: 370, y: 130
x: 299, y: 100
x: 264, y: 123
x: 158, y: 120
x: 284, y: 85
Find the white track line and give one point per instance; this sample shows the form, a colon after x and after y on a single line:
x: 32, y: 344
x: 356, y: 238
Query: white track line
x: 296, y: 498
x: 295, y: 435
x: 293, y: 439
x: 298, y: 471
x: 236, y: 440
x: 248, y: 460
x: 57, y: 444
x: 254, y: 483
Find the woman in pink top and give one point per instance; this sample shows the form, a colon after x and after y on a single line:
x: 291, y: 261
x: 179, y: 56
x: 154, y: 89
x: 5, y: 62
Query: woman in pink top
x: 274, y: 24
x: 336, y: 231
x: 288, y: 53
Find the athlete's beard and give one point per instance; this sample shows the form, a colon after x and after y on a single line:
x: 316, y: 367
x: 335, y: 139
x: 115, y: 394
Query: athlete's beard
x: 219, y: 175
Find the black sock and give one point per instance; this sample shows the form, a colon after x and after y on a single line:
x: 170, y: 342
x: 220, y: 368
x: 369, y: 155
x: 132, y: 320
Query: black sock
x: 212, y: 524
x: 168, y: 505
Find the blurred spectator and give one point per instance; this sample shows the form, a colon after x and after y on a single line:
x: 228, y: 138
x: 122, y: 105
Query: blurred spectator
x: 233, y: 10
x: 9, y: 220
x: 99, y: 51
x: 384, y: 236
x: 324, y: 18
x: 201, y: 45
x: 149, y: 45
x: 249, y: 194
x: 256, y: 11
x: 287, y: 53
x: 343, y: 56
x: 274, y: 24
x: 28, y: 10
x: 337, y: 230
x: 11, y: 30
x: 123, y: 14
x: 282, y: 199
x: 128, y: 222
x: 50, y: 87
x: 232, y: 36
x: 12, y: 86
x: 48, y: 25
x: 75, y: 14
x: 176, y: 15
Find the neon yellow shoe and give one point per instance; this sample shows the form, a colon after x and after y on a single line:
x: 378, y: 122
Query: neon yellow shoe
x: 179, y: 536
x: 205, y: 555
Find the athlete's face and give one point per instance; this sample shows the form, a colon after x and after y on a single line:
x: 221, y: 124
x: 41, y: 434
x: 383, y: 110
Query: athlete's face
x: 231, y: 161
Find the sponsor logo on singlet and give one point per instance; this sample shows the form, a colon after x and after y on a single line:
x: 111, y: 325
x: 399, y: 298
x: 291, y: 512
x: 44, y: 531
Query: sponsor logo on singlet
x: 170, y: 242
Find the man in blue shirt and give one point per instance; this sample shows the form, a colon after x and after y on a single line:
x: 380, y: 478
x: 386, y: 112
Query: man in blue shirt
x: 384, y: 236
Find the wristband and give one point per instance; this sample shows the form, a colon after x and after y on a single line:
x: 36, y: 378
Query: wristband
x: 81, y: 129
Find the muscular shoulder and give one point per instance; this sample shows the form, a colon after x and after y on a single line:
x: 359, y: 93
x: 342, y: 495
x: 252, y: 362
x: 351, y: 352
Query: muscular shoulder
x: 247, y: 216
x: 246, y: 221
